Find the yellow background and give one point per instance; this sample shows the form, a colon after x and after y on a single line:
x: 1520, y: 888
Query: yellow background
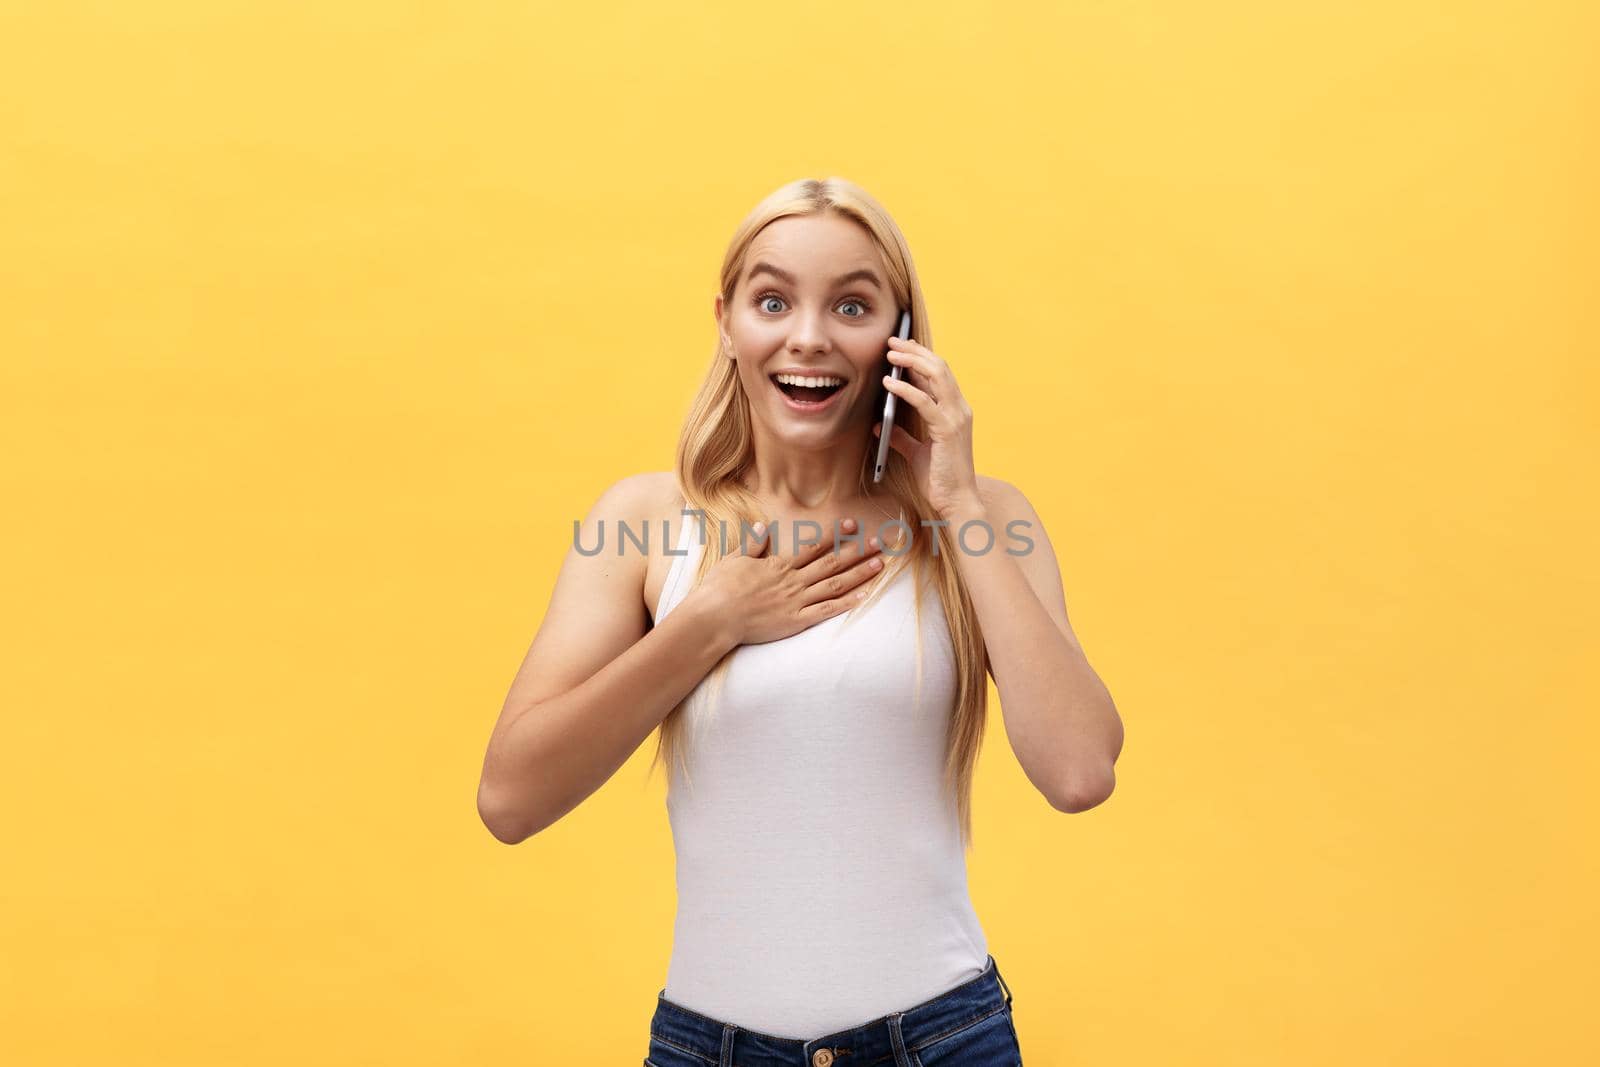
x: 322, y: 322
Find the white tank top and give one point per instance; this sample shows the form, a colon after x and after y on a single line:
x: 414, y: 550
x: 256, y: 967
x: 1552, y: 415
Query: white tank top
x: 821, y: 877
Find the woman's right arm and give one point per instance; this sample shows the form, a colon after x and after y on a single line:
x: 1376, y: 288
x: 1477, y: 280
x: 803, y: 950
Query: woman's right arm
x: 597, y: 678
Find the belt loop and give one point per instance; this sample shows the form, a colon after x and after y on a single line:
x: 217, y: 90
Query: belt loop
x: 727, y: 1045
x: 1003, y: 985
x: 897, y: 1041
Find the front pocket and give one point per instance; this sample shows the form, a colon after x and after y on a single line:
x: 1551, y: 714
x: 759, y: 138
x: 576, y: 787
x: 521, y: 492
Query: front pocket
x: 667, y: 1054
x: 989, y: 1042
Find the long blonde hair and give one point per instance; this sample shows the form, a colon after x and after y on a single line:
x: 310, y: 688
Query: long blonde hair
x: 716, y: 448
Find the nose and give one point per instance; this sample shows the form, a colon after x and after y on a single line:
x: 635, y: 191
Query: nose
x: 808, y: 333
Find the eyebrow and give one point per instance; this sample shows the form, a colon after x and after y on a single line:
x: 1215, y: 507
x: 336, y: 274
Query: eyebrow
x: 856, y: 275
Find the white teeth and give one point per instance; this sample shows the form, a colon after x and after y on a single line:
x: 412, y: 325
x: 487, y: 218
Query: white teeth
x: 814, y: 383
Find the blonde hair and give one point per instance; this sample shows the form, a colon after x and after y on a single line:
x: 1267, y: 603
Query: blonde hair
x: 716, y: 448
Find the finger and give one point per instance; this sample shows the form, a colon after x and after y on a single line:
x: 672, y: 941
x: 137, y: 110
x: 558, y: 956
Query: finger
x: 910, y: 345
x: 911, y: 395
x: 917, y: 370
x: 811, y: 614
x: 917, y: 361
x: 931, y: 373
x: 829, y: 576
x: 831, y: 563
x: 843, y: 584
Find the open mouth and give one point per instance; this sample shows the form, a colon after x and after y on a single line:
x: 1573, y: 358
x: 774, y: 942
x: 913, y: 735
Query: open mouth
x: 806, y: 396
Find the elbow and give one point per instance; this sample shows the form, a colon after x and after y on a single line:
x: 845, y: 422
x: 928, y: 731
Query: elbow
x: 507, y: 825
x: 506, y: 833
x: 1085, y: 790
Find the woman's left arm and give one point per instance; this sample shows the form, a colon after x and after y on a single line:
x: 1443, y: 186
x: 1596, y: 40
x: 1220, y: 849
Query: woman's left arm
x: 1059, y: 717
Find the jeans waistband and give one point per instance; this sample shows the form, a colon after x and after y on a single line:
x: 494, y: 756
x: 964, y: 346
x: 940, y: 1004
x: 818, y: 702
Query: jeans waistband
x: 884, y: 1041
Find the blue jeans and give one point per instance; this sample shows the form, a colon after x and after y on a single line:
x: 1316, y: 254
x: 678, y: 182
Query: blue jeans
x: 968, y: 1026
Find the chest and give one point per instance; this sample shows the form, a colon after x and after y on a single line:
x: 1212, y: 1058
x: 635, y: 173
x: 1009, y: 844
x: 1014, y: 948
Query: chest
x: 879, y: 677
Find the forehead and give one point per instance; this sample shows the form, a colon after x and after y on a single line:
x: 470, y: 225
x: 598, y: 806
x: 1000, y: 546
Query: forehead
x: 814, y: 247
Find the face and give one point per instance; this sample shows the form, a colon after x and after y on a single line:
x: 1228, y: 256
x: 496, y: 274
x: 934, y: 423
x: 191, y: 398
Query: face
x: 811, y: 314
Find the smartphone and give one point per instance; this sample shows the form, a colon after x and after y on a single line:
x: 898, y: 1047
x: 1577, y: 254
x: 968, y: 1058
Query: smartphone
x: 898, y: 373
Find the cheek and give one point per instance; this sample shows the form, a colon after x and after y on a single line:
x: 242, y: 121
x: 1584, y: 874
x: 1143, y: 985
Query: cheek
x: 870, y: 366
x: 754, y: 382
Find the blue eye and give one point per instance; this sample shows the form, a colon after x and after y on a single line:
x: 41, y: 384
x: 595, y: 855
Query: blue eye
x: 866, y: 308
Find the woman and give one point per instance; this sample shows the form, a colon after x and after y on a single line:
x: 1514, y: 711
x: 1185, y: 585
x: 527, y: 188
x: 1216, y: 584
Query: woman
x: 813, y: 646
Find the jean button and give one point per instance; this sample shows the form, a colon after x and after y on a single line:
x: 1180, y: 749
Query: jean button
x: 822, y: 1057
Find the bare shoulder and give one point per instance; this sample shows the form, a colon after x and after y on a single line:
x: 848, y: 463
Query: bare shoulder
x: 1006, y: 504
x: 635, y: 499
x: 988, y: 485
x: 1001, y: 497
x: 647, y: 494
x: 659, y: 503
x: 659, y: 498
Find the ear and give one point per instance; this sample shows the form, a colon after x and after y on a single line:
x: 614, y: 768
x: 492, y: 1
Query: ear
x: 727, y: 342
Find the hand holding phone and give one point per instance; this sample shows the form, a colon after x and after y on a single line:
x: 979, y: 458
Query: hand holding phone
x: 897, y: 372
